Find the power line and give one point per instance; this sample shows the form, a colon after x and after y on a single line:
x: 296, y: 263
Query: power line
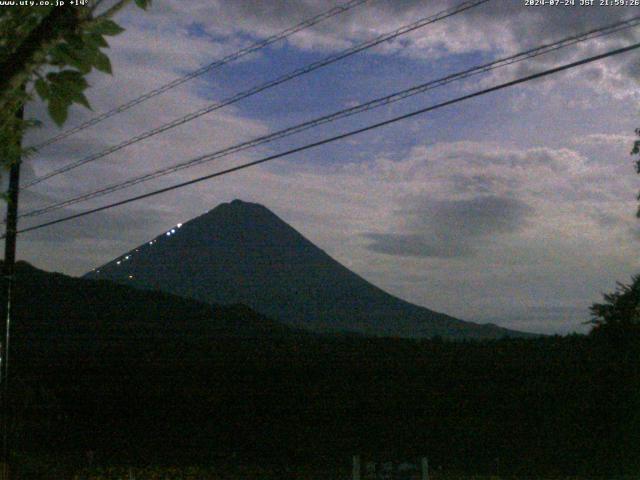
x: 376, y: 103
x: 341, y: 136
x: 202, y: 70
x: 257, y: 89
x: 262, y: 87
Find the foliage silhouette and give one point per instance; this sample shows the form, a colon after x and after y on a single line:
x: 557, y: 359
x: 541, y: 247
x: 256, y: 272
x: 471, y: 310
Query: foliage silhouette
x: 142, y: 377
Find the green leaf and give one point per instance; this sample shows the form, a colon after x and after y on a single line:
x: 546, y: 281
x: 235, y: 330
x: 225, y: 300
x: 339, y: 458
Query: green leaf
x: 80, y: 58
x: 74, y: 40
x: 67, y: 87
x: 143, y: 4
x: 102, y: 62
x: 82, y: 100
x: 58, y: 109
x: 42, y: 88
x: 107, y: 27
x: 72, y: 77
x: 96, y: 40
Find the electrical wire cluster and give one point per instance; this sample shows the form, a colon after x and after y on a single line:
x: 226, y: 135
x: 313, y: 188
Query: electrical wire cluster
x: 309, y: 124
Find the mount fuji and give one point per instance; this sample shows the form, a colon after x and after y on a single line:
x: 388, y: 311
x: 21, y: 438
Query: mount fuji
x: 242, y: 253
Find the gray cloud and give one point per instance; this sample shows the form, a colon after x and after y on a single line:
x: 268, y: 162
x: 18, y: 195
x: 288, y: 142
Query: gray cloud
x: 414, y: 245
x: 499, y: 28
x: 106, y: 226
x: 451, y: 228
x: 476, y: 217
x: 479, y: 183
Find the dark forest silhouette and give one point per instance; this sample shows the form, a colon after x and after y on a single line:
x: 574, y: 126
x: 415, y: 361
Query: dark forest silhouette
x: 143, y: 377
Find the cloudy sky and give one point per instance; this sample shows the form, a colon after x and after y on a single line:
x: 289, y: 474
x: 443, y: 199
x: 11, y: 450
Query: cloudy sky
x: 516, y: 207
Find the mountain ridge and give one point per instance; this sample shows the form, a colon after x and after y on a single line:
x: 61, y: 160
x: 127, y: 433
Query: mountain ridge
x: 50, y: 303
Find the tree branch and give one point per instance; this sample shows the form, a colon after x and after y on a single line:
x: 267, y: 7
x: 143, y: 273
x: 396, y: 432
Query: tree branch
x: 17, y: 69
x: 113, y: 10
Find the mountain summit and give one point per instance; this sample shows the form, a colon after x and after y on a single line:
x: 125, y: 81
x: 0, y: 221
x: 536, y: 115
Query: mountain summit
x: 242, y: 252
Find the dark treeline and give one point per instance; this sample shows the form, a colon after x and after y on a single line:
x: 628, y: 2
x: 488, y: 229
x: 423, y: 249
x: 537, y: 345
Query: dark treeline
x: 143, y: 378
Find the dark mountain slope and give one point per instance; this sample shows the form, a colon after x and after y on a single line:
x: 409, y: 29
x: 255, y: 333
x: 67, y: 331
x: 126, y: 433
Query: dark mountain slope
x: 53, y: 305
x: 243, y: 253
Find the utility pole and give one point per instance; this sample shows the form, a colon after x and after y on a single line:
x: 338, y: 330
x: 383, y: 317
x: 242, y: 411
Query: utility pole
x: 9, y: 284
